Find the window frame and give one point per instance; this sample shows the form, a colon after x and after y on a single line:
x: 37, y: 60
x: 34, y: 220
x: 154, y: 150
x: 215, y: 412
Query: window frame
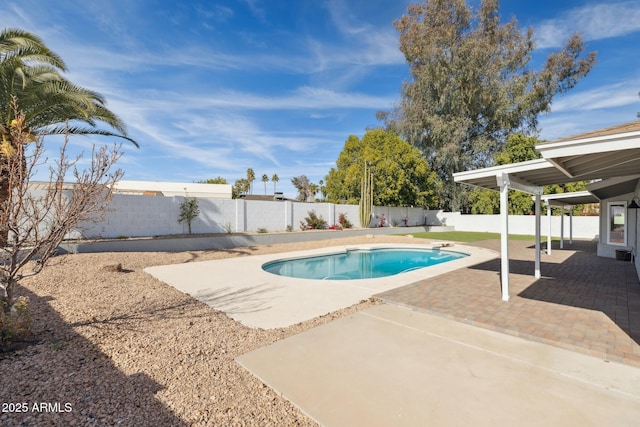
x: 622, y: 204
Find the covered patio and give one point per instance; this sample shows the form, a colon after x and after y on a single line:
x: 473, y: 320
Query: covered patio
x: 594, y: 156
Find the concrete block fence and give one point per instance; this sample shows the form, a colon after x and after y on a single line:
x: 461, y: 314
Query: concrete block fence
x: 579, y: 227
x: 146, y: 216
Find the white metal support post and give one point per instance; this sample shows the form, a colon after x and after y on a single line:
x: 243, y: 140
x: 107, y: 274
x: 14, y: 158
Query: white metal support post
x: 503, y: 181
x: 571, y: 225
x: 549, y: 232
x: 562, y: 227
x: 538, y: 233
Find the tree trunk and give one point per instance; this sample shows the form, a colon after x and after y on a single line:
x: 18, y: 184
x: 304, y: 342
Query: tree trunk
x: 4, y: 196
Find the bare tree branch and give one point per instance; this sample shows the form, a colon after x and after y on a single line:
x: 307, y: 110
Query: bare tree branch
x: 37, y: 219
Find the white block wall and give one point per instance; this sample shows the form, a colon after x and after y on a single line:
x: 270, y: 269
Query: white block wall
x: 584, y: 227
x: 143, y: 216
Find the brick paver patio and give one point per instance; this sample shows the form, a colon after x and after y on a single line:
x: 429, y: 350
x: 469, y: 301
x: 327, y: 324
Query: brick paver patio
x: 582, y: 302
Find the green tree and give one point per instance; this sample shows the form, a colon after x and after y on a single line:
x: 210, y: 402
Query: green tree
x: 569, y: 187
x: 240, y: 187
x: 265, y: 179
x: 189, y: 210
x: 216, y: 180
x: 275, y: 180
x: 251, y: 176
x: 401, y: 176
x: 471, y: 85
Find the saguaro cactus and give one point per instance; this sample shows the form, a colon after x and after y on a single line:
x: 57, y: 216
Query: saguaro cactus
x: 366, y: 197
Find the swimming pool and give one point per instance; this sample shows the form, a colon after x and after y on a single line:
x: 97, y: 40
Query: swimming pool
x: 356, y: 264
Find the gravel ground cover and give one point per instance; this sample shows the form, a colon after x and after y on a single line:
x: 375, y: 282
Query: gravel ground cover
x: 115, y: 346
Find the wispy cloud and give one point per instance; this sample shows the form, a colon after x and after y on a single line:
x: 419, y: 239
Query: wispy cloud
x: 370, y: 44
x: 304, y: 98
x: 610, y: 96
x: 594, y: 22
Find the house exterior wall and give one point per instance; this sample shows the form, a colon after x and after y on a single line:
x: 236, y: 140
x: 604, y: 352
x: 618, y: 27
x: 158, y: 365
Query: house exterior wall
x: 220, y: 191
x: 609, y: 250
x: 633, y: 229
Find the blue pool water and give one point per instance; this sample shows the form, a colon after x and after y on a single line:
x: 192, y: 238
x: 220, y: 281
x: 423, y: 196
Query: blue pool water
x: 360, y: 263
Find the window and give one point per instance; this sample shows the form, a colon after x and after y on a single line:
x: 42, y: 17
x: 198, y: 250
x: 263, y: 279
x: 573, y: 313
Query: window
x: 616, y: 231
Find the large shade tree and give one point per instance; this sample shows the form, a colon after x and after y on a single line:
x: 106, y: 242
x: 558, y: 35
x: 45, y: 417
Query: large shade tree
x: 471, y: 84
x: 401, y: 176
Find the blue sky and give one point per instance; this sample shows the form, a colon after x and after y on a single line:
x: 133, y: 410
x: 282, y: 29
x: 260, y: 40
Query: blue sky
x: 211, y: 88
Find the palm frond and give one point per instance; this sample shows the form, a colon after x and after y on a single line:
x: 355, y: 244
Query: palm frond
x: 31, y: 72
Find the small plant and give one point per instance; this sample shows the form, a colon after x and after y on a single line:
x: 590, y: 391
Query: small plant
x: 405, y: 221
x: 58, y: 344
x: 313, y: 222
x: 335, y: 227
x: 289, y: 228
x: 227, y: 228
x: 15, y: 321
x: 394, y: 222
x: 189, y: 210
x: 123, y: 237
x: 261, y: 230
x: 344, y: 222
x: 383, y: 220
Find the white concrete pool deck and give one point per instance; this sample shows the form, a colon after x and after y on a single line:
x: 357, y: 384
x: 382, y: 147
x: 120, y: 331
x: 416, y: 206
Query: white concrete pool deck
x: 241, y: 289
x: 390, y: 366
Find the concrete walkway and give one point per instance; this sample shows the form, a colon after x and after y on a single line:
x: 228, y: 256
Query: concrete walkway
x: 391, y: 366
x: 245, y: 292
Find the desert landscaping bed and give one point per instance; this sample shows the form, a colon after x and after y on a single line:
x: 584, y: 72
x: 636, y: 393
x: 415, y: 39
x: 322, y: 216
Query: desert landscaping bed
x: 115, y: 346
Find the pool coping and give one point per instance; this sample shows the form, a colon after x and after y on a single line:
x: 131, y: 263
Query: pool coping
x: 241, y: 289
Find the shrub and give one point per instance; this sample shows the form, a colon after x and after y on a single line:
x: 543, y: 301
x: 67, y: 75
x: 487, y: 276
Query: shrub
x: 227, y: 228
x: 313, y: 222
x: 15, y: 322
x: 335, y: 227
x: 262, y: 230
x: 189, y: 210
x: 344, y: 222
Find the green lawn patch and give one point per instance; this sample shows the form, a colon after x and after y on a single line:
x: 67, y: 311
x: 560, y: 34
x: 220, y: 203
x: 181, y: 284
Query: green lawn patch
x: 469, y: 236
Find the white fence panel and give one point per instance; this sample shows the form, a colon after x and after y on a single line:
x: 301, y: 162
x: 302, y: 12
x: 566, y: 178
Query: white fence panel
x: 142, y: 216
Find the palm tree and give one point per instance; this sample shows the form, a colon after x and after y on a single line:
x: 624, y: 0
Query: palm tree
x: 251, y: 176
x: 275, y: 180
x: 31, y: 73
x: 31, y: 84
x: 313, y: 190
x: 265, y: 179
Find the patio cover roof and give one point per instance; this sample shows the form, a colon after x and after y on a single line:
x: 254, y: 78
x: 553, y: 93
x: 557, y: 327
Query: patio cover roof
x: 614, y: 151
x: 570, y: 199
x: 614, y: 187
x: 611, y: 152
